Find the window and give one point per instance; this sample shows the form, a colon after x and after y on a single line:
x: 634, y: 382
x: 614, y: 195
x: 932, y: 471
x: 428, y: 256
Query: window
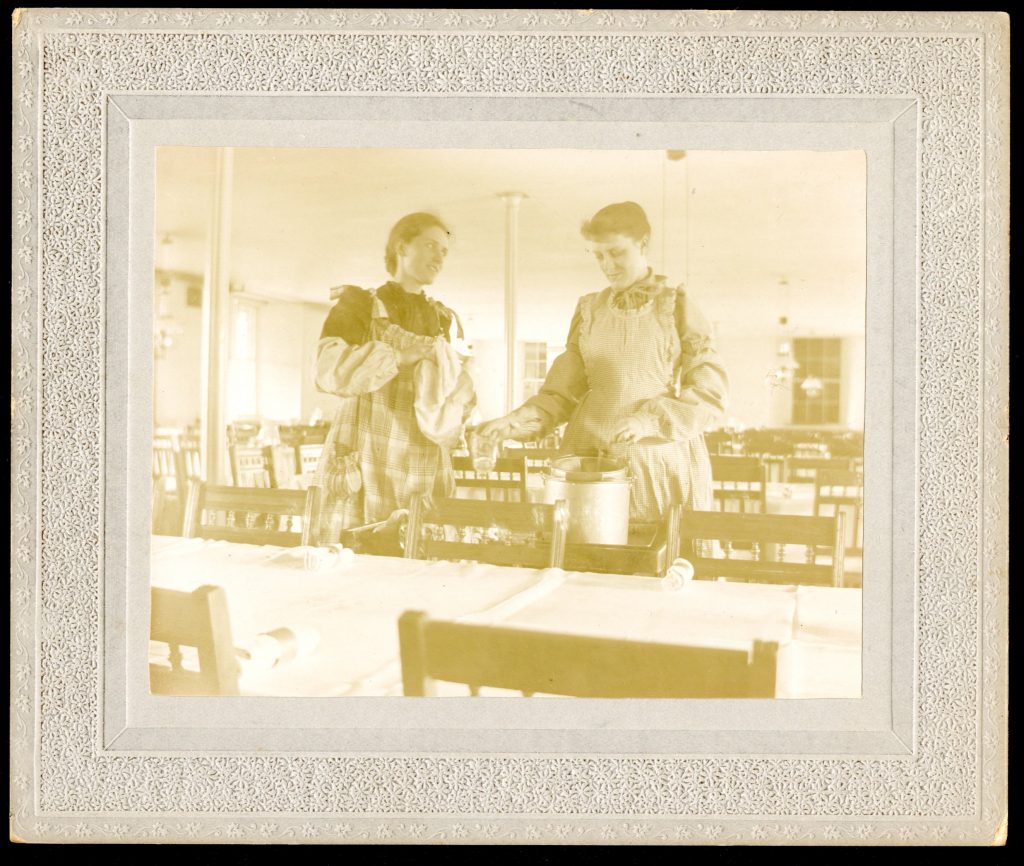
x: 820, y: 365
x: 535, y: 367
x: 242, y: 396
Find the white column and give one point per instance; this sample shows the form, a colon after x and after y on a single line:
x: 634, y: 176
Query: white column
x: 216, y: 315
x: 512, y: 200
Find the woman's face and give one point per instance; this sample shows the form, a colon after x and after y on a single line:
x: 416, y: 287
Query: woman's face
x: 421, y: 259
x: 622, y: 259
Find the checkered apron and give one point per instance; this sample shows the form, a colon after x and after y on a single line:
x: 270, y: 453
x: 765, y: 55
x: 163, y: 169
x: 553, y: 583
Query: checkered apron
x: 630, y: 356
x: 375, y: 440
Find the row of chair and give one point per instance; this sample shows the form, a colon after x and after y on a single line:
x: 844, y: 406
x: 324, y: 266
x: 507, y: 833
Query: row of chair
x: 741, y: 484
x: 272, y: 465
x: 177, y: 464
x: 479, y: 656
x: 786, y: 441
x: 752, y: 547
x: 247, y: 433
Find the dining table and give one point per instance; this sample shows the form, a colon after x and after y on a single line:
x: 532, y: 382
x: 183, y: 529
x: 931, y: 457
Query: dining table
x: 352, y: 603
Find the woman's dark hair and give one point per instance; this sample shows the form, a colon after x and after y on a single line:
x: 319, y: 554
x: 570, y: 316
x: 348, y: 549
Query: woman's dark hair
x: 623, y: 218
x: 408, y: 228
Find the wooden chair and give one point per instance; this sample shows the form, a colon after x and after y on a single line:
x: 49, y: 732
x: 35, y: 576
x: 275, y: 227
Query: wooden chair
x: 768, y: 536
x: 303, y: 434
x: 815, y: 448
x: 838, y: 490
x: 252, y: 465
x: 501, y: 533
x: 505, y: 483
x: 724, y: 442
x: 193, y: 619
x: 581, y: 666
x: 190, y: 457
x: 243, y: 433
x: 168, y: 487
x: 804, y: 469
x: 307, y: 457
x: 536, y: 459
x: 741, y: 481
x: 253, y: 515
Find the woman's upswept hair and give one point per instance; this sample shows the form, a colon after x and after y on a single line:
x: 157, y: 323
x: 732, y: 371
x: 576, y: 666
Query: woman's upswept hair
x: 408, y: 228
x: 622, y: 218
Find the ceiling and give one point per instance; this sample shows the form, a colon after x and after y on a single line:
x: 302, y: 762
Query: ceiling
x: 755, y: 235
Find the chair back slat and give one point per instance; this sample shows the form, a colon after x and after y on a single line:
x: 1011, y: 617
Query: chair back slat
x: 767, y: 535
x: 191, y: 456
x: 441, y: 529
x: 253, y: 515
x: 842, y: 491
x: 307, y: 457
x: 252, y: 465
x: 739, y: 481
x: 765, y: 528
x: 762, y: 571
x: 169, y: 486
x: 748, y: 469
x: 165, y: 459
x: 196, y: 619
x: 507, y: 476
x: 581, y: 666
x: 806, y: 468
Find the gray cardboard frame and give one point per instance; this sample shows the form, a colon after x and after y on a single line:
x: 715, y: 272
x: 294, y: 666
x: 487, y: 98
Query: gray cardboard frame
x: 920, y: 757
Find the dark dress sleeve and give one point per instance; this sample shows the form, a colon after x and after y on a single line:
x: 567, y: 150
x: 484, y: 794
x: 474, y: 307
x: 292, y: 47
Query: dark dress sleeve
x: 349, y: 318
x: 348, y: 363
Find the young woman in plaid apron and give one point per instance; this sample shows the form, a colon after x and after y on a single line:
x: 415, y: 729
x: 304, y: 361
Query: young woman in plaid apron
x: 639, y: 372
x: 375, y: 458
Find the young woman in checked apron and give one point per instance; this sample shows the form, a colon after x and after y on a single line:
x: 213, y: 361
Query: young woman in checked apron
x: 639, y: 372
x: 376, y: 459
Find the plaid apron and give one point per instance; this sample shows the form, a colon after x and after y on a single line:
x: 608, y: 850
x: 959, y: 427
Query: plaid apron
x: 630, y: 358
x: 375, y: 459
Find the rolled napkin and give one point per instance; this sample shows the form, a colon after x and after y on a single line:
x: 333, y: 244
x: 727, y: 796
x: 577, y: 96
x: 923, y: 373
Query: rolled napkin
x: 315, y: 558
x: 276, y: 647
x: 679, y: 573
x: 326, y: 558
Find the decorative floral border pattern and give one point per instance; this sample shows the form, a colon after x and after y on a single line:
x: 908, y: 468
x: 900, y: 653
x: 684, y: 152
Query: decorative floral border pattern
x: 951, y: 790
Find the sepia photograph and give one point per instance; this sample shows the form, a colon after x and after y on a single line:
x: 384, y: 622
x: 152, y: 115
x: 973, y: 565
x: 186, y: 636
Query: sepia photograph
x: 508, y: 422
x: 608, y: 407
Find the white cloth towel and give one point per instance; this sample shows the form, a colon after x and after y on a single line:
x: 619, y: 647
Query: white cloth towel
x: 440, y: 402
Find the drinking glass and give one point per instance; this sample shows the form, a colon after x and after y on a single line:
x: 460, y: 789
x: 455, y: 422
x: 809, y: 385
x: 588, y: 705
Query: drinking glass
x: 483, y: 450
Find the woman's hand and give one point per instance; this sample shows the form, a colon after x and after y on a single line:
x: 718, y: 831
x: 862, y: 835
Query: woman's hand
x: 497, y: 428
x: 628, y: 430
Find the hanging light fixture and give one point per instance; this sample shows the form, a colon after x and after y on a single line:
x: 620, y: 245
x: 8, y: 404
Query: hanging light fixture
x: 812, y: 386
x: 782, y: 374
x: 165, y: 328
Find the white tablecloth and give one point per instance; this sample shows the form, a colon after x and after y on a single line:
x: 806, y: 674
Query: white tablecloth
x: 355, y: 609
x: 789, y: 498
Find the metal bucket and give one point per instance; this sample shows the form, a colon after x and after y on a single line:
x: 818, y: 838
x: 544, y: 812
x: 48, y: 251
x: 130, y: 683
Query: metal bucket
x: 596, y: 491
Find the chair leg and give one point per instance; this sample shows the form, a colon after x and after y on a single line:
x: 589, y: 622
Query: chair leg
x: 412, y: 648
